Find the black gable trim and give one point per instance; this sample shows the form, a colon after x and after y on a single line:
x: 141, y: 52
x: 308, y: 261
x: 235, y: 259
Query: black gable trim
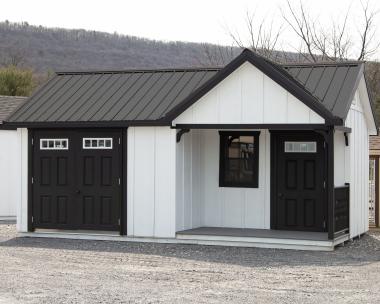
x: 276, y: 73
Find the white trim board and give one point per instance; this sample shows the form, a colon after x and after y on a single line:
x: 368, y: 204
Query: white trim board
x: 199, y: 240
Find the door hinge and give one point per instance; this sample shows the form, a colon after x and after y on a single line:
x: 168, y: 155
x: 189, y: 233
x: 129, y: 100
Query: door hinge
x: 119, y: 140
x: 32, y: 219
x: 324, y: 224
x: 324, y: 184
x: 119, y: 181
x: 32, y: 141
x: 32, y: 180
x: 324, y: 144
x: 119, y: 222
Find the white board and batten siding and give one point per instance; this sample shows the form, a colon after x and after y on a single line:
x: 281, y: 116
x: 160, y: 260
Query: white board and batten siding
x: 358, y: 165
x: 9, y: 173
x: 151, y: 182
x: 200, y: 200
x: 248, y: 96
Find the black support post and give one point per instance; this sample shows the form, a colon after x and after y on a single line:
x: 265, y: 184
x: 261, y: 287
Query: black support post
x: 330, y: 183
x: 124, y: 202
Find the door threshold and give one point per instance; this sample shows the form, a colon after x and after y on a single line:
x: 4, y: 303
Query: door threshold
x: 78, y: 232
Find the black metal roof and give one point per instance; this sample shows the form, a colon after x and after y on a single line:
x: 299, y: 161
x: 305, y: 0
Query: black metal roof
x: 8, y: 104
x: 332, y: 84
x: 156, y: 97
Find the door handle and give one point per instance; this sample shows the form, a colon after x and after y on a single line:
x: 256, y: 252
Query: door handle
x: 77, y: 191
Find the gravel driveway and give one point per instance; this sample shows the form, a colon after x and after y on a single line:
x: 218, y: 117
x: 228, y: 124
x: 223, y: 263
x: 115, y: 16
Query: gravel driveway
x: 37, y: 270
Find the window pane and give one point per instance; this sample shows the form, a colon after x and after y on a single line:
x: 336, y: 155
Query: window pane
x: 300, y: 147
x: 44, y: 144
x: 239, y: 159
x: 101, y: 142
x: 94, y: 143
x: 51, y: 143
x: 108, y: 143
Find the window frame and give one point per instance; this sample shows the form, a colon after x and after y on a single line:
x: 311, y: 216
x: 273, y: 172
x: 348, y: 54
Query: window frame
x: 97, y: 139
x: 223, y: 136
x: 54, y: 148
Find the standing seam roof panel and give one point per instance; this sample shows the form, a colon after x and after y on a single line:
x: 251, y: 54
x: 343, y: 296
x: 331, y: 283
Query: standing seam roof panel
x: 55, y: 108
x: 166, y: 90
x: 324, y: 83
x: 48, y: 102
x: 127, y: 109
x: 335, y: 87
x: 117, y: 97
x: 128, y: 95
x: 152, y: 102
x: 149, y: 96
x: 86, y: 97
x: 34, y: 106
x: 346, y: 91
x: 75, y: 101
x: 187, y: 91
x: 99, y: 90
x: 100, y: 95
x: 106, y: 97
x: 181, y: 83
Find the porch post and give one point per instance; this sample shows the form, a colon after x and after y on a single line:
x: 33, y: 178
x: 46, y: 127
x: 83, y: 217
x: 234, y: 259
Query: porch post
x: 330, y: 182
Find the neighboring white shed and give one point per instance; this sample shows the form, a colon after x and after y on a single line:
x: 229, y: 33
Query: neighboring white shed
x: 251, y: 154
x: 9, y: 159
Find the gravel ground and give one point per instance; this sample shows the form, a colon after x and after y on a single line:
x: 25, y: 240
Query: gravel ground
x: 37, y: 270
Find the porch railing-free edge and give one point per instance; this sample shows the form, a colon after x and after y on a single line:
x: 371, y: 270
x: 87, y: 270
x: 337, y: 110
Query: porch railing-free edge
x: 342, y: 210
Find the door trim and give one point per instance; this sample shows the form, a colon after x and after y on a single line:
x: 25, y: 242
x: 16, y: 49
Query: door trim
x: 274, y: 135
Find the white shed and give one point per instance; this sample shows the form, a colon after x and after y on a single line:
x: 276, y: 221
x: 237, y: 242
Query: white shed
x: 9, y: 160
x: 252, y: 154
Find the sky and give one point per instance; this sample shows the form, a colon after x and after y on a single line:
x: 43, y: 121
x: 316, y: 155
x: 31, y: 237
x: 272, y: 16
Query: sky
x: 195, y: 20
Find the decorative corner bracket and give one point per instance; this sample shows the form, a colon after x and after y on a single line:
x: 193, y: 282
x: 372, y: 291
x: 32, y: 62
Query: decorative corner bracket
x: 180, y: 133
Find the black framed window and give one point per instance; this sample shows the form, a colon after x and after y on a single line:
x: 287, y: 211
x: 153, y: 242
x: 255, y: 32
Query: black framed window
x: 239, y: 159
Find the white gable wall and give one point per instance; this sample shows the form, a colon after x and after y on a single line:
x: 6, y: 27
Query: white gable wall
x: 248, y: 96
x: 358, y: 167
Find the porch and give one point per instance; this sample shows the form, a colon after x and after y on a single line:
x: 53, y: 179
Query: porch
x: 262, y: 238
x: 271, y: 212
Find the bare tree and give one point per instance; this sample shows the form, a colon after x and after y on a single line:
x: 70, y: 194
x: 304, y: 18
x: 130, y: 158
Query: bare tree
x: 263, y: 36
x: 217, y: 55
x: 13, y: 57
x: 336, y: 42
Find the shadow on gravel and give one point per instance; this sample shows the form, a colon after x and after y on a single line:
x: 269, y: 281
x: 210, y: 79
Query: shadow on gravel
x: 358, y: 252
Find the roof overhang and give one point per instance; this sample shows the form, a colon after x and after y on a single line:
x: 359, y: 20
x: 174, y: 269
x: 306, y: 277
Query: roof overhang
x: 368, y: 106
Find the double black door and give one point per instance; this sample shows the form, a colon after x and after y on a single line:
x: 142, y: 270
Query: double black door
x: 298, y: 181
x: 76, y: 179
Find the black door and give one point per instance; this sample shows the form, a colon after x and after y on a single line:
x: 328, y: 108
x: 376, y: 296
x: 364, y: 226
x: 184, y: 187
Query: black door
x: 298, y: 197
x: 76, y: 179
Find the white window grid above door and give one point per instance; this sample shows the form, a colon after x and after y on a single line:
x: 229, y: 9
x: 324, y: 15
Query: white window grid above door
x: 300, y: 147
x: 97, y: 143
x: 54, y: 144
